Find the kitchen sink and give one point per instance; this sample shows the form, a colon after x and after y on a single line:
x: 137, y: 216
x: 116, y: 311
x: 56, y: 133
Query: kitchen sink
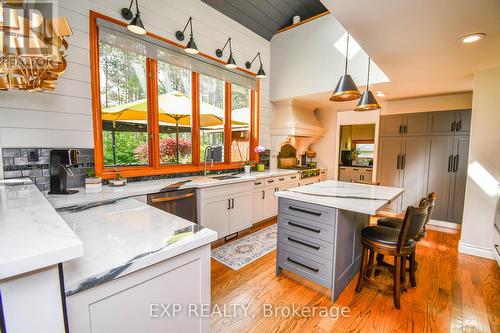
x: 225, y: 177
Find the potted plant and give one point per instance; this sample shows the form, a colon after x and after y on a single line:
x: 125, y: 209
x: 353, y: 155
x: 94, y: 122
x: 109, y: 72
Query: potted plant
x: 92, y: 183
x: 119, y: 180
x: 248, y: 166
x: 260, y: 150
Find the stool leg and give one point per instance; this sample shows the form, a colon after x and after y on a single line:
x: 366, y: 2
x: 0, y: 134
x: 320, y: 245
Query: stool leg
x: 403, y: 273
x: 397, y: 282
x: 370, y: 264
x: 380, y: 260
x: 362, y: 269
x: 413, y: 268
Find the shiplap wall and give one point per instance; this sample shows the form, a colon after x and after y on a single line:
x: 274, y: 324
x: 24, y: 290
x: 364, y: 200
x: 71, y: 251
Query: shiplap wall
x: 63, y: 118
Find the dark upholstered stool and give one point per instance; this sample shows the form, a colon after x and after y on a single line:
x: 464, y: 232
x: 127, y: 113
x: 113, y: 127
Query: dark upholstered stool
x: 396, y: 223
x: 398, y: 243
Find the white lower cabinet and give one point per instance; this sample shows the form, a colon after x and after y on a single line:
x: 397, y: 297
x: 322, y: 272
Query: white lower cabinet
x: 226, y: 209
x: 135, y: 302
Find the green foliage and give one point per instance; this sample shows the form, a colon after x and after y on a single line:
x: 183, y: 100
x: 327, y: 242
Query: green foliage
x: 126, y: 144
x: 90, y: 172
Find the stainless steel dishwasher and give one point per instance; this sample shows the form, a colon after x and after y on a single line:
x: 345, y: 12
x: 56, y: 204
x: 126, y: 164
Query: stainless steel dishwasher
x: 181, y: 203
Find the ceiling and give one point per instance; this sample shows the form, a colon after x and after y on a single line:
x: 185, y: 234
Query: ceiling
x: 416, y: 43
x: 265, y: 17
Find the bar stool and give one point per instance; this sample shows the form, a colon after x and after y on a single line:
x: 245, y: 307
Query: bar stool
x: 396, y: 223
x: 398, y: 243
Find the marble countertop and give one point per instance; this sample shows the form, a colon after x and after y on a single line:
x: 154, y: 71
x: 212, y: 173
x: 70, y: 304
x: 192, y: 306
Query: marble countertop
x: 154, y: 186
x: 32, y: 234
x: 361, y: 198
x: 124, y: 237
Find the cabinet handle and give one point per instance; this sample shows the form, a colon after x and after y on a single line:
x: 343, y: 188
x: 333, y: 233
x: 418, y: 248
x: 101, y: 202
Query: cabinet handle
x: 316, y: 247
x: 271, y: 181
x: 304, y: 210
x: 400, y: 129
x: 263, y: 195
x: 406, y: 128
x: 228, y: 204
x: 302, y: 265
x: 258, y: 183
x: 232, y: 203
x: 455, y: 163
x: 450, y: 163
x: 282, y: 179
x: 398, y: 163
x: 403, y: 161
x: 459, y: 125
x: 293, y: 177
x: 453, y: 126
x: 304, y: 227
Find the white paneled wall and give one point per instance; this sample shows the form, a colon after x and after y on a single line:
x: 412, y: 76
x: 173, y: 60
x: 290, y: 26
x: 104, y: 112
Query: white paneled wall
x: 63, y: 118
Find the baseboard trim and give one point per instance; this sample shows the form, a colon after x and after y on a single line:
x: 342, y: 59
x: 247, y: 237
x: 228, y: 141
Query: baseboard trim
x: 474, y: 250
x: 444, y: 224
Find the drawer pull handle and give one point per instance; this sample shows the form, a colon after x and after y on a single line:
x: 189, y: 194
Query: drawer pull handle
x: 293, y: 177
x: 281, y: 179
x: 258, y: 183
x: 303, y: 210
x: 304, y: 227
x: 302, y: 265
x: 270, y: 181
x: 316, y: 247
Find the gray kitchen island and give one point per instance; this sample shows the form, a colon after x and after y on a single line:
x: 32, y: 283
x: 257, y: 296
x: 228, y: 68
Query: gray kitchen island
x: 319, y: 229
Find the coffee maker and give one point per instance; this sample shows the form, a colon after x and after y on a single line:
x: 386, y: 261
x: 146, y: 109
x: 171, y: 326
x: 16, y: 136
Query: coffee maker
x: 61, y: 162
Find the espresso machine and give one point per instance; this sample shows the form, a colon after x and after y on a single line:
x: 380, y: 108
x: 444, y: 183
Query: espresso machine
x: 61, y: 162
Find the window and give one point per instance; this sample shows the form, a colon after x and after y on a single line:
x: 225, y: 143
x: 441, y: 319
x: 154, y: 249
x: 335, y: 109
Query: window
x: 174, y: 114
x: 365, y: 150
x: 212, y: 117
x: 123, y: 107
x: 240, y: 123
x: 156, y: 109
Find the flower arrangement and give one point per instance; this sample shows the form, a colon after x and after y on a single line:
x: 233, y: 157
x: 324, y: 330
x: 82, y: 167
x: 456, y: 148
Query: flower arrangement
x: 260, y: 150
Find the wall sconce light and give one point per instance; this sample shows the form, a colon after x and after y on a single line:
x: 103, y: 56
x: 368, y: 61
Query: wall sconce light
x: 136, y: 25
x: 260, y: 73
x: 191, y: 45
x: 230, y: 61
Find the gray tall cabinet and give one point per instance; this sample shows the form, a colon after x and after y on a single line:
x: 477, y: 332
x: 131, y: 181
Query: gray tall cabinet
x: 426, y: 152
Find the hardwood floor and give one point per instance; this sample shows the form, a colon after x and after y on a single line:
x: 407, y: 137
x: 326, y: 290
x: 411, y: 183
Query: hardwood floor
x: 455, y: 293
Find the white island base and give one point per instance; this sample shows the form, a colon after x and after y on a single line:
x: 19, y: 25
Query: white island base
x: 142, y: 301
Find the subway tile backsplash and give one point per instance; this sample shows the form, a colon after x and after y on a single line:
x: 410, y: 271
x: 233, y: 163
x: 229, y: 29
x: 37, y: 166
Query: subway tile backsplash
x: 16, y: 163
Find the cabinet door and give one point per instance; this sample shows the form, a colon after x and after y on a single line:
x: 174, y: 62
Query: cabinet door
x: 388, y: 170
x: 391, y: 125
x: 356, y: 174
x: 270, y: 203
x: 215, y: 215
x: 240, y: 215
x: 457, y: 188
x: 440, y: 173
x: 414, y: 170
x: 344, y: 175
x: 367, y: 175
x: 416, y: 124
x: 258, y: 205
x: 442, y: 122
x: 463, y: 119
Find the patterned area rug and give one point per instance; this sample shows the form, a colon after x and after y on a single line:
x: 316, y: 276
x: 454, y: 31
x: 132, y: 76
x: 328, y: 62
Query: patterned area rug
x: 243, y: 251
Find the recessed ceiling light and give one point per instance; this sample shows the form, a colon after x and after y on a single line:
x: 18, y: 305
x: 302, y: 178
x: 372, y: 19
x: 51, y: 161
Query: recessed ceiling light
x: 472, y: 37
x: 380, y: 93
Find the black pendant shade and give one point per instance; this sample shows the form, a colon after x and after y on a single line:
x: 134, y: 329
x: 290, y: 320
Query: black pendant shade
x: 368, y: 101
x: 230, y: 62
x: 346, y: 90
x: 136, y: 25
x: 261, y: 74
x: 191, y: 47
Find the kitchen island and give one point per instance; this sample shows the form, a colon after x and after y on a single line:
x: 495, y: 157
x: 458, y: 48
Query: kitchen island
x: 319, y: 229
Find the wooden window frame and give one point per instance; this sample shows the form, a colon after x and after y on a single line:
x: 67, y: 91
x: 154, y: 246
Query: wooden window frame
x: 155, y: 167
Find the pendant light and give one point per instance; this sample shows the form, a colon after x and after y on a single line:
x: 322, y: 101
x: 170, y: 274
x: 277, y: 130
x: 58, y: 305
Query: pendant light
x: 191, y: 45
x: 136, y: 26
x: 346, y: 89
x: 368, y: 101
x: 230, y: 63
x: 260, y: 73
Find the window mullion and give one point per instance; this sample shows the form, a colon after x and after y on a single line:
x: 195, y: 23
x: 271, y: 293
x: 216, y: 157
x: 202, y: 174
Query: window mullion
x: 195, y: 123
x: 153, y: 121
x: 227, y: 124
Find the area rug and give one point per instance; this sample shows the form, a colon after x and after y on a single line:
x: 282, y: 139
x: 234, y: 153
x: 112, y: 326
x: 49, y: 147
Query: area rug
x: 243, y: 251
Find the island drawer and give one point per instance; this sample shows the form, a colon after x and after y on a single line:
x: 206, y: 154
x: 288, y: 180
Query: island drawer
x: 314, y: 268
x: 308, y: 211
x: 307, y: 227
x: 308, y: 244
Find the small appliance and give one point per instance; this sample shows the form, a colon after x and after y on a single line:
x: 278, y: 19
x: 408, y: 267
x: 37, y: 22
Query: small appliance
x: 61, y: 162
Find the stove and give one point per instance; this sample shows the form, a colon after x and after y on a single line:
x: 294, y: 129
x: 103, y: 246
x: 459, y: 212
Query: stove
x: 306, y: 171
